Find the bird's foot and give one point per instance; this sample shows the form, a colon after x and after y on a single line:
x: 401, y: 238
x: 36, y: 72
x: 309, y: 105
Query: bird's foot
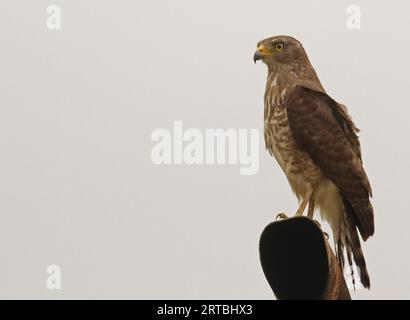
x: 281, y: 216
x: 325, y: 233
x: 317, y: 223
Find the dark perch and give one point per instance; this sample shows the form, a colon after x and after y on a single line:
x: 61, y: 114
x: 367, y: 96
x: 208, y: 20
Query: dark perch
x: 299, y: 263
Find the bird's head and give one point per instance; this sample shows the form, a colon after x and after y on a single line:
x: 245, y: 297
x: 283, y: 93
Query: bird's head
x: 279, y: 50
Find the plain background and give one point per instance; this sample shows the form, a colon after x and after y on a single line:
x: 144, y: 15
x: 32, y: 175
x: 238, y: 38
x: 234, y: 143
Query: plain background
x: 77, y: 109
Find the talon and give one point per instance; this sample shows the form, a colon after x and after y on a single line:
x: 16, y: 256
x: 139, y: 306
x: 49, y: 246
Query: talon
x: 318, y: 224
x: 281, y: 216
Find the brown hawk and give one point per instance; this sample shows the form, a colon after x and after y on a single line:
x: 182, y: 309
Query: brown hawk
x: 315, y: 142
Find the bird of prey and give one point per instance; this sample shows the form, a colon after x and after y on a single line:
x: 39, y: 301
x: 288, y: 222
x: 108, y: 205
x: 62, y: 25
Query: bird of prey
x: 314, y: 140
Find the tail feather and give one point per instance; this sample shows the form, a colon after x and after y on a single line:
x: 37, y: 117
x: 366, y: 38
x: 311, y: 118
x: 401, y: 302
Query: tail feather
x: 347, y: 238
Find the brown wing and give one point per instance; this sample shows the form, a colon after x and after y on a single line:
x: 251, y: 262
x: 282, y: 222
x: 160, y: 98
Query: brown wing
x: 322, y: 128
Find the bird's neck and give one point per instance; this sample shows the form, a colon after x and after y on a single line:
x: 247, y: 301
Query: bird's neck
x: 296, y: 72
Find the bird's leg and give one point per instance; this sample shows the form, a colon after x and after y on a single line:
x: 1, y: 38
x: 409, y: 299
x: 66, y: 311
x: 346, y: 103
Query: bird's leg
x: 304, y: 203
x: 307, y: 199
x: 311, y: 208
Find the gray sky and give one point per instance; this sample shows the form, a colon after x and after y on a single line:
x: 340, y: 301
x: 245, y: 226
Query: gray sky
x: 77, y: 108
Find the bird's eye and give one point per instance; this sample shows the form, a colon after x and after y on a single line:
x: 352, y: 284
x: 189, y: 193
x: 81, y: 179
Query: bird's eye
x: 279, y: 46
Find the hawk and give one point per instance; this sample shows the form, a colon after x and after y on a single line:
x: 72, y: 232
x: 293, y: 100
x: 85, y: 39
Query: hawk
x: 315, y: 142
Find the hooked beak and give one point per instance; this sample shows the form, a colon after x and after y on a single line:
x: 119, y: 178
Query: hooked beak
x: 257, y: 56
x: 259, y: 53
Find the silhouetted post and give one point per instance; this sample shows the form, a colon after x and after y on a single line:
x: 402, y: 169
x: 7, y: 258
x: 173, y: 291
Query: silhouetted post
x: 298, y: 262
